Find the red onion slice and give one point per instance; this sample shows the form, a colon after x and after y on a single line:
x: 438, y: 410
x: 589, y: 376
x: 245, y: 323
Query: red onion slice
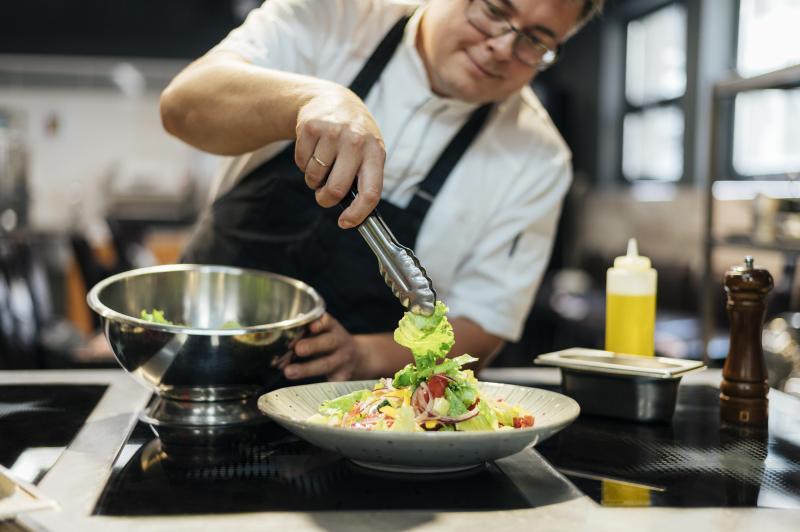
x: 421, y: 404
x: 446, y: 419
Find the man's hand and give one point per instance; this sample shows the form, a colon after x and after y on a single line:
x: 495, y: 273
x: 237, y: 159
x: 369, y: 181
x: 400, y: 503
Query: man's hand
x: 338, y: 142
x: 336, y: 353
x: 222, y: 104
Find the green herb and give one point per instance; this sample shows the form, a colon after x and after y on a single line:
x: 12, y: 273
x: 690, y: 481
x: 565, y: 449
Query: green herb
x: 157, y: 316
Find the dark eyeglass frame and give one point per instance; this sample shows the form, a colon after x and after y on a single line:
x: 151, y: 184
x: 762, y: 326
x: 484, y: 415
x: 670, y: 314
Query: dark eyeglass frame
x: 491, y: 10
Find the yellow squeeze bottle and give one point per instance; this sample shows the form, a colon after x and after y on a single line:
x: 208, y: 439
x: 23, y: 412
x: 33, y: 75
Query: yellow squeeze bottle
x: 631, y: 304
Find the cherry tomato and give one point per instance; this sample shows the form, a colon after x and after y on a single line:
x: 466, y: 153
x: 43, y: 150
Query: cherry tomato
x: 437, y: 384
x: 523, y: 421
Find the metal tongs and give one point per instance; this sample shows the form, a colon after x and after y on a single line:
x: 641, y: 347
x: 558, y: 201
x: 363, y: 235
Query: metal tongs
x: 398, y: 265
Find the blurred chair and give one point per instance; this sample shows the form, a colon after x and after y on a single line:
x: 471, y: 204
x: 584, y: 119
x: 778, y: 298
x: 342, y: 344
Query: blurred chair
x: 21, y: 323
x: 32, y: 334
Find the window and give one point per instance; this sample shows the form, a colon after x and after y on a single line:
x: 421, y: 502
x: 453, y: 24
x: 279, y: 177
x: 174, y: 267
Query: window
x: 655, y: 81
x: 767, y: 36
x: 766, y: 132
x: 655, y: 65
x: 766, y: 123
x: 653, y: 144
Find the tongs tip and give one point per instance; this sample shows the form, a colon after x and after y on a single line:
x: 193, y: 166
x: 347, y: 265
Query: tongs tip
x: 423, y: 308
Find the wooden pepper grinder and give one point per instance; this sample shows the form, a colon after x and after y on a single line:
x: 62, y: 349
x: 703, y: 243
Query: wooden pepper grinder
x: 743, y: 392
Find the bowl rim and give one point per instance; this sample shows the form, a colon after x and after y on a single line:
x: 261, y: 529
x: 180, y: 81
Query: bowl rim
x: 93, y: 300
x: 574, y: 408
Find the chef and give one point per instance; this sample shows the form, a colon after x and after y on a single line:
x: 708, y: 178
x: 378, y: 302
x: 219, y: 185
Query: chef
x: 428, y: 111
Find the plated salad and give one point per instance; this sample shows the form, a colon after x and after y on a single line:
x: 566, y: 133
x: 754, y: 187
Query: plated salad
x: 431, y: 394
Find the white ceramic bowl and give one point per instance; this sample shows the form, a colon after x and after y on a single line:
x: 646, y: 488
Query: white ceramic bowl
x: 418, y: 452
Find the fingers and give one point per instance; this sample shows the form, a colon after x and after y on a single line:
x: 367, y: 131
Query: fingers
x: 370, y: 185
x: 314, y: 152
x: 330, y: 344
x: 320, y: 366
x: 341, y: 176
x: 322, y: 324
x: 308, y: 135
x: 322, y: 160
x: 326, y: 337
x: 344, y: 373
x: 323, y: 343
x: 333, y: 155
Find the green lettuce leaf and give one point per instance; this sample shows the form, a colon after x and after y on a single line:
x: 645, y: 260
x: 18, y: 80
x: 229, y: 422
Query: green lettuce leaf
x: 451, y: 366
x: 466, y: 392
x: 343, y: 403
x: 457, y: 406
x: 428, y: 337
x: 405, y: 422
x: 485, y: 420
x: 157, y: 316
x: 405, y: 377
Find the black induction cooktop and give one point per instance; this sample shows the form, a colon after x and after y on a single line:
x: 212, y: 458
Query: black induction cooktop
x: 38, y: 421
x: 693, y: 461
x: 275, y: 471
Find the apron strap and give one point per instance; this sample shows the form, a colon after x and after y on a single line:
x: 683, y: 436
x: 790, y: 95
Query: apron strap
x: 433, y: 182
x: 375, y: 65
x: 437, y: 175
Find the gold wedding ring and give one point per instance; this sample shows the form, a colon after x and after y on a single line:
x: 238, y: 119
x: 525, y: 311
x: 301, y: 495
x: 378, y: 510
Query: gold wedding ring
x: 324, y: 165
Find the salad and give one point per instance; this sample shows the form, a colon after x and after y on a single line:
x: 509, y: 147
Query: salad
x: 157, y: 316
x: 431, y: 394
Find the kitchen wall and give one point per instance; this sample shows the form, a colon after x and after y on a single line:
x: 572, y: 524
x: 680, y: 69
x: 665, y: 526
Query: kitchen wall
x: 668, y: 222
x: 87, y: 120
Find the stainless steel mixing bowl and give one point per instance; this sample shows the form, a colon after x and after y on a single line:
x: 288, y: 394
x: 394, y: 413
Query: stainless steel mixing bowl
x: 234, y: 329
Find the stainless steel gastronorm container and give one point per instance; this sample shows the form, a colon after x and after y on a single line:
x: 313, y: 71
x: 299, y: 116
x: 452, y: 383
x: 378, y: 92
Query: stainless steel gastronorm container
x: 622, y: 386
x: 234, y: 329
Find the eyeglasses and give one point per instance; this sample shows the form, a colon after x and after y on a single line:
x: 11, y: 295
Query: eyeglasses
x: 492, y: 20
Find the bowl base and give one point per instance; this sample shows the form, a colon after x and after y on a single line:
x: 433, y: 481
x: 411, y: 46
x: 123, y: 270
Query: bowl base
x: 165, y: 412
x: 203, y: 423
x: 417, y: 470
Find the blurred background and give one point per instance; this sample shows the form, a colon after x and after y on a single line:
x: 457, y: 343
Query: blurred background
x: 683, y: 118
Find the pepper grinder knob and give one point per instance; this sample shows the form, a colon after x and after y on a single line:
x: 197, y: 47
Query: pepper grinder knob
x: 743, y: 392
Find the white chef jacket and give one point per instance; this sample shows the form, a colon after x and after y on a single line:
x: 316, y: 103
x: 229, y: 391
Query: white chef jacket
x: 486, y: 239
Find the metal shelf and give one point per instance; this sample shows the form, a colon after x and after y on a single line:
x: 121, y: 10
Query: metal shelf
x: 785, y: 78
x: 724, y: 93
x: 790, y: 246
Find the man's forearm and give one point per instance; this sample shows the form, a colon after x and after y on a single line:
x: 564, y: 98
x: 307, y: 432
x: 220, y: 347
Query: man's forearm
x: 224, y: 105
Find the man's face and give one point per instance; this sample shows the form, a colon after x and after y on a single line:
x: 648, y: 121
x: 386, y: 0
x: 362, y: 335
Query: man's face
x: 464, y: 63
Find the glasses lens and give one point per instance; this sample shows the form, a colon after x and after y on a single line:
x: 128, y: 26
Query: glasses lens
x: 492, y: 22
x: 534, y: 53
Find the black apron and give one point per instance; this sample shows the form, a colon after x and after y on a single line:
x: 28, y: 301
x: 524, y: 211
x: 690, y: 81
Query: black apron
x: 270, y: 221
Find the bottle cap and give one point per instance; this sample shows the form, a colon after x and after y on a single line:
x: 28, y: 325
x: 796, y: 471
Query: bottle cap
x: 632, y: 260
